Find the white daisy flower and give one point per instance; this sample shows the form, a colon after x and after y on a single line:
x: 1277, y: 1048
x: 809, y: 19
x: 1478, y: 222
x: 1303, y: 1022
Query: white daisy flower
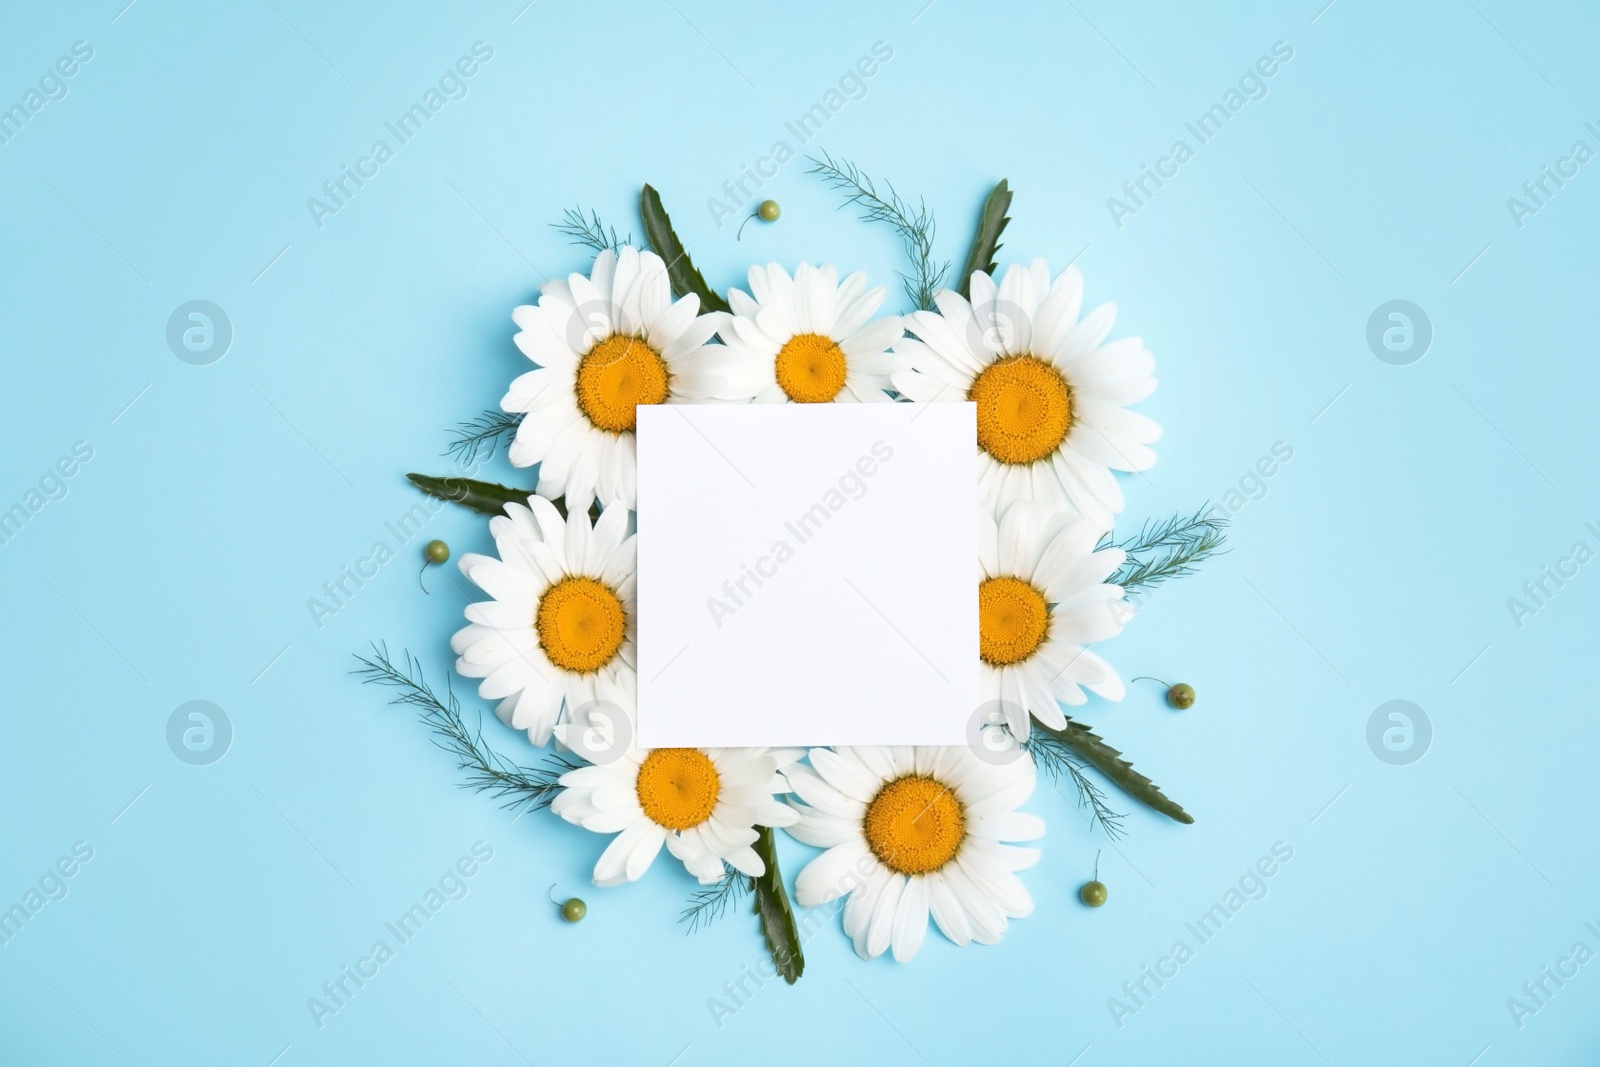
x: 913, y: 832
x: 560, y: 629
x: 704, y: 804
x: 810, y: 339
x: 1042, y: 597
x: 1052, y: 417
x: 604, y: 344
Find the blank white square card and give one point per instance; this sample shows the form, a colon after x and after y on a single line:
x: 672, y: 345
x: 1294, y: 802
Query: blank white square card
x: 807, y: 574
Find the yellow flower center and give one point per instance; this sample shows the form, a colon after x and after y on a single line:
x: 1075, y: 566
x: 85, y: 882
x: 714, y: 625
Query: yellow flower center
x: 580, y: 623
x: 617, y: 375
x: 1013, y: 621
x: 915, y: 825
x: 810, y: 368
x: 678, y: 787
x: 1024, y: 409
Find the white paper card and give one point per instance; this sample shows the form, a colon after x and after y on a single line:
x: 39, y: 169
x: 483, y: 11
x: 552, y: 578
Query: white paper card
x: 807, y: 574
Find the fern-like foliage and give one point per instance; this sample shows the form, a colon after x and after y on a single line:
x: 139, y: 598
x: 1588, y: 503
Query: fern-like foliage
x: 1169, y: 549
x: 486, y: 770
x: 1056, y: 759
x: 589, y: 231
x: 914, y: 225
x: 711, y: 902
x: 484, y: 435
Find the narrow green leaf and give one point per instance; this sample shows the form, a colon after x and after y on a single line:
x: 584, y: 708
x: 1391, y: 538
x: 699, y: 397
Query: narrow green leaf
x: 1109, y: 762
x: 986, y: 242
x: 777, y: 917
x: 487, y: 498
x: 680, y: 268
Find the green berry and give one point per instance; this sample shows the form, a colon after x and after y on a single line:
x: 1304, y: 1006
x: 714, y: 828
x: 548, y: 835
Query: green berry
x: 769, y: 210
x: 574, y: 910
x: 436, y: 552
x: 1181, y: 696
x: 1093, y: 893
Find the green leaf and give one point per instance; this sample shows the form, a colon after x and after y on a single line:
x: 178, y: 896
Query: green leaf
x: 487, y: 498
x: 1109, y: 762
x: 1060, y: 760
x: 986, y: 242
x: 777, y: 917
x: 681, y: 270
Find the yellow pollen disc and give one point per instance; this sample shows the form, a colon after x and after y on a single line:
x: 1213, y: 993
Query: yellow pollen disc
x: 810, y: 368
x: 1013, y: 621
x: 615, y: 376
x: 1024, y: 409
x: 678, y: 787
x: 915, y: 825
x: 580, y: 624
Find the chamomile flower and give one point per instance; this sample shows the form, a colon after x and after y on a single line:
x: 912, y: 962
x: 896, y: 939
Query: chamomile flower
x: 912, y: 833
x: 1043, y: 596
x: 1052, y: 395
x: 603, y: 344
x: 559, y: 631
x: 809, y: 339
x: 704, y: 804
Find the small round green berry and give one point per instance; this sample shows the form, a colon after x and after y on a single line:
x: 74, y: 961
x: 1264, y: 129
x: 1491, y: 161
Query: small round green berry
x: 436, y: 551
x: 769, y: 210
x: 1181, y: 696
x: 1093, y: 893
x: 574, y: 910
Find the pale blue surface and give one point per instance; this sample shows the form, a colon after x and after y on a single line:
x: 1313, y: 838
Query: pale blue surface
x: 1376, y: 567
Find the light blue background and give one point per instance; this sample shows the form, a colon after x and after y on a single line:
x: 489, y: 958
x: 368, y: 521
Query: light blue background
x: 1377, y: 566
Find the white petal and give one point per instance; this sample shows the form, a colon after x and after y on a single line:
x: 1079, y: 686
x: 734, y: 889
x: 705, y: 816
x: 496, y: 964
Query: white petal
x: 910, y: 920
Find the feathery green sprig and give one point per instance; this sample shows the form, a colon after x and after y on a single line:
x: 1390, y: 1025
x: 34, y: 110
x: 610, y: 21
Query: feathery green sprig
x: 1169, y: 549
x: 914, y: 225
x: 486, y: 770
x: 590, y: 231
x: 1052, y: 756
x: 483, y: 435
x: 711, y: 902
